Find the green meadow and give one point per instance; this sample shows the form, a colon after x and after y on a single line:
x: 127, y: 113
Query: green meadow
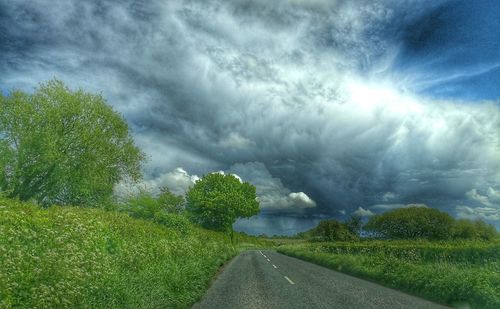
x: 85, y: 257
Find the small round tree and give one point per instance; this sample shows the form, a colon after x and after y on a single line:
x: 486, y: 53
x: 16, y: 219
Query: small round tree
x: 217, y: 200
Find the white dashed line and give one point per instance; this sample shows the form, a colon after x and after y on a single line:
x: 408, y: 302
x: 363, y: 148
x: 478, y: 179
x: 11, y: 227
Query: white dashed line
x: 276, y: 267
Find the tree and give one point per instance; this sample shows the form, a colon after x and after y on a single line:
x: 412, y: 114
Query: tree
x: 331, y: 230
x: 170, y: 202
x: 354, y: 224
x: 59, y: 146
x: 165, y: 208
x: 146, y: 205
x: 216, y: 201
x: 412, y: 223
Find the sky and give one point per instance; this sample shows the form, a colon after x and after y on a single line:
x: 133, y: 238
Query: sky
x: 330, y: 108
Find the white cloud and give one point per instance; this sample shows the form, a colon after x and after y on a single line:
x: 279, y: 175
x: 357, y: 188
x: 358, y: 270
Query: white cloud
x: 490, y: 197
x: 236, y: 141
x: 300, y: 199
x: 386, y: 207
x: 177, y: 181
x: 190, y: 85
x: 487, y: 205
x: 224, y: 173
x: 482, y: 213
x: 476, y: 196
x: 272, y: 194
x: 493, y: 195
x: 388, y: 196
x: 363, y: 212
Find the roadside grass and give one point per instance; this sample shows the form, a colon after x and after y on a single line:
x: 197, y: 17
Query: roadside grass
x: 454, y: 273
x: 91, y: 258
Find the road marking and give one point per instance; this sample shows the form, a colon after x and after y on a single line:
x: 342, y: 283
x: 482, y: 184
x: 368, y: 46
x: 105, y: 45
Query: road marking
x: 275, y: 266
x: 288, y: 279
x: 268, y: 260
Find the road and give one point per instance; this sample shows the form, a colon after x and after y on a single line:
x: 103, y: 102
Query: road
x: 266, y: 279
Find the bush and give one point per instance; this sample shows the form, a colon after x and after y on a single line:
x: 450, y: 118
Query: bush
x: 412, y: 223
x: 142, y: 205
x: 177, y: 222
x: 467, y: 229
x: 330, y: 230
x: 145, y: 205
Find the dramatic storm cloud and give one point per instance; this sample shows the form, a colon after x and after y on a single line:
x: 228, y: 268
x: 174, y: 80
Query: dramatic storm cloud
x: 329, y: 107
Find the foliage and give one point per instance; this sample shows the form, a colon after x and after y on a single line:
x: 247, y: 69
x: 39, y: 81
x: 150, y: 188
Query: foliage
x: 354, y: 224
x: 145, y: 205
x: 64, y: 147
x: 330, y: 230
x: 165, y: 209
x: 142, y: 205
x: 467, y: 229
x: 412, y: 223
x: 175, y: 221
x: 70, y: 257
x: 449, y: 272
x: 170, y: 202
x: 216, y: 201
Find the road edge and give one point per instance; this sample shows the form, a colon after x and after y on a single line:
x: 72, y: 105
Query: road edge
x: 216, y: 275
x: 358, y: 276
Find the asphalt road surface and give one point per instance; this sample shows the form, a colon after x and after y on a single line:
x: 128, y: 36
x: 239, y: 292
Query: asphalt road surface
x: 266, y: 279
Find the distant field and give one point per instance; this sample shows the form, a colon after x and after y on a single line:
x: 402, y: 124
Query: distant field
x: 455, y: 273
x: 73, y: 257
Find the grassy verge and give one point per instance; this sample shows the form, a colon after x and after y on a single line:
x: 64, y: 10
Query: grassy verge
x: 447, y: 272
x: 73, y: 257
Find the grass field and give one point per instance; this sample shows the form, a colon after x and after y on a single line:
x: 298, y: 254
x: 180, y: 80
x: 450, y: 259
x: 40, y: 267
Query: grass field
x: 74, y: 257
x: 455, y: 273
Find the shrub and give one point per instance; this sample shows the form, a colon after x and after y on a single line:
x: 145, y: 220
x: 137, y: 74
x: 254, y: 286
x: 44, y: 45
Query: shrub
x: 412, y: 223
x: 467, y: 229
x: 170, y: 202
x: 177, y: 222
x: 145, y: 205
x: 329, y: 230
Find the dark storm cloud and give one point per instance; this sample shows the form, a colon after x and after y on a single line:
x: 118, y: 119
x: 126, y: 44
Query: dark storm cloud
x: 310, y: 95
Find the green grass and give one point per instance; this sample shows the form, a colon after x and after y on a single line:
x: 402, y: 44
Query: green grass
x: 446, y: 272
x: 90, y: 258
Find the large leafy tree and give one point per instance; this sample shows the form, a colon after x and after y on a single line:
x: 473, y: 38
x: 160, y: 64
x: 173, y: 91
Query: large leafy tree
x: 217, y: 200
x: 59, y: 146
